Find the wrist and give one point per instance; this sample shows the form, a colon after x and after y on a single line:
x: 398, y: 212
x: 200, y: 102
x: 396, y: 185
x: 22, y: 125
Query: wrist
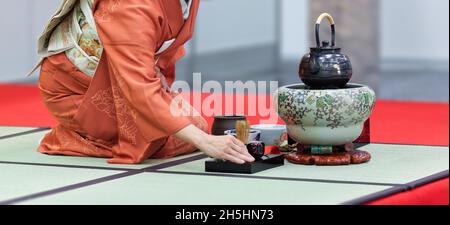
x: 193, y: 135
x: 200, y: 139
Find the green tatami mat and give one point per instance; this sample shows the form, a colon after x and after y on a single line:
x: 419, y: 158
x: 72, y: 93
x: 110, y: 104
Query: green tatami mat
x: 20, y: 180
x: 394, y: 164
x: 5, y: 130
x: 22, y: 149
x: 162, y: 189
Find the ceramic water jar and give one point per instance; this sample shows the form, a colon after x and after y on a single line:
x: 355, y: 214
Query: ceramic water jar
x: 324, y: 116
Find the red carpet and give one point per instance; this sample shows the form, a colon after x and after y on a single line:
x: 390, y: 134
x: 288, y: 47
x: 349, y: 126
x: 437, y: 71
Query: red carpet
x: 411, y: 123
x: 392, y: 121
x: 399, y: 122
x: 21, y: 105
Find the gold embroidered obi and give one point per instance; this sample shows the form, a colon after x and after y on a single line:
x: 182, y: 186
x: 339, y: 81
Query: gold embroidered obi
x: 78, y: 31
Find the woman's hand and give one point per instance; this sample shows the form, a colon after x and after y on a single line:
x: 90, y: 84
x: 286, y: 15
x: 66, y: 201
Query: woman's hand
x: 220, y: 147
x: 225, y: 147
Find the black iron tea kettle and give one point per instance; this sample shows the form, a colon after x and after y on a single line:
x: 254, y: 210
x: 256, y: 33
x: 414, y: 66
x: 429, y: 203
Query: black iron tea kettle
x: 325, y: 66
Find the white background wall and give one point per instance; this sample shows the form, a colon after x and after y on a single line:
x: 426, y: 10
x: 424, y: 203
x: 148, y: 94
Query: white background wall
x: 295, y: 29
x: 21, y: 22
x: 228, y: 24
x: 410, y: 29
x: 415, y: 29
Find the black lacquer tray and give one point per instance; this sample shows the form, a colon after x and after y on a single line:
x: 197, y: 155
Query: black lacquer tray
x: 267, y: 162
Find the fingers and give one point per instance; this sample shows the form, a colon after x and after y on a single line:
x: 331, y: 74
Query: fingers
x: 238, y: 154
x: 238, y: 145
x: 239, y: 150
x: 237, y: 142
x: 232, y: 150
x: 250, y: 157
x: 242, y: 149
x: 233, y: 159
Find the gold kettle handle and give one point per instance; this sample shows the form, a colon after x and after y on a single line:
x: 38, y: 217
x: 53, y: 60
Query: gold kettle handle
x: 325, y: 15
x: 333, y: 30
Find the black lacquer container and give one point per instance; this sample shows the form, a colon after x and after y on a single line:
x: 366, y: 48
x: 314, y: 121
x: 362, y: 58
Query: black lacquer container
x: 224, y: 123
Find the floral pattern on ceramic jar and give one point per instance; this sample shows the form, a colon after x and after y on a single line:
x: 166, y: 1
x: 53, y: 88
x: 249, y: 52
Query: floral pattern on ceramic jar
x: 88, y: 50
x: 331, y: 114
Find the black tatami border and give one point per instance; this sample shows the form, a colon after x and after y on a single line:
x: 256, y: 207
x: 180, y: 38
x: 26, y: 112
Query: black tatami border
x: 100, y: 180
x: 399, y: 189
x: 68, y: 166
x: 277, y: 178
x: 119, y: 168
x: 39, y: 129
x: 394, y: 188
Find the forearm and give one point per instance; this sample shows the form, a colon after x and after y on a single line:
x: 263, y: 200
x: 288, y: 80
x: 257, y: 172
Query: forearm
x: 192, y: 134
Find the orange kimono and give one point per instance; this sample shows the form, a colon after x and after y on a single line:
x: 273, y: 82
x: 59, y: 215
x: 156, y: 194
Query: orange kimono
x: 123, y: 111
